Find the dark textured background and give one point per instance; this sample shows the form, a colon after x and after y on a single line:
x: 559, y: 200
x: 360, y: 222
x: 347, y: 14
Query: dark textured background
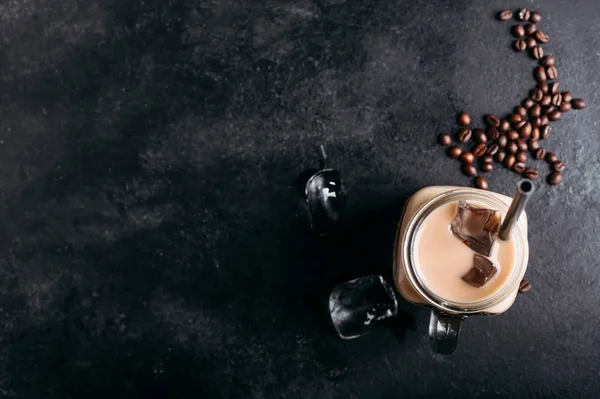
x: 152, y: 243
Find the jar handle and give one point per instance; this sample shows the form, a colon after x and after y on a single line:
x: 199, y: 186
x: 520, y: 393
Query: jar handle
x: 443, y: 331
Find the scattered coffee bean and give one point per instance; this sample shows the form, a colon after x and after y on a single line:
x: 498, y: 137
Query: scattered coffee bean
x: 548, y: 60
x: 502, y: 141
x: 557, y: 100
x: 548, y: 109
x: 519, y: 125
x: 537, y: 95
x: 515, y: 118
x: 551, y: 157
x: 504, y: 125
x: 578, y: 103
x: 480, y: 150
x: 493, y: 133
x: 521, y: 111
x: 535, y: 132
x: 512, y: 147
x: 554, y: 87
x: 544, y: 120
x: 565, y: 107
x: 537, y: 52
x: 522, y: 145
x: 546, y: 100
x: 509, y: 161
x: 520, y: 45
x: 500, y: 155
x: 525, y: 131
x: 558, y: 166
x: 530, y: 42
x: 535, y: 17
x: 540, y: 36
x: 455, y: 151
x: 524, y: 14
x: 567, y: 96
x: 486, y: 167
x: 467, y: 157
x: 545, y: 131
x: 536, y: 122
x: 521, y: 156
x: 464, y: 119
x: 552, y: 73
x: 518, y: 31
x: 524, y: 286
x: 512, y: 135
x: 464, y: 135
x: 555, y: 115
x: 479, y: 136
x: 530, y: 29
x: 493, y: 120
x: 531, y: 173
x: 469, y: 169
x: 554, y: 178
x: 492, y: 149
x: 519, y: 167
x: 536, y: 110
x: 505, y: 15
x: 540, y: 153
x: 481, y: 183
x: 528, y: 103
x: 487, y: 159
x: 533, y: 144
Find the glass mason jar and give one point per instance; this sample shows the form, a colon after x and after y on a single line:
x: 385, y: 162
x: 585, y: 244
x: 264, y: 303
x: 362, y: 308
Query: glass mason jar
x: 446, y: 316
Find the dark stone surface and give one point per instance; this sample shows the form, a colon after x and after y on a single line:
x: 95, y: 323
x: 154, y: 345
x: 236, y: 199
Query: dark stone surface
x: 153, y: 246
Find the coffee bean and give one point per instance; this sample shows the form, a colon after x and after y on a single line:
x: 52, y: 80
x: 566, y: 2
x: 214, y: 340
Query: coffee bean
x: 515, y: 118
x: 535, y: 17
x: 544, y: 87
x: 559, y: 166
x: 520, y: 45
x: 548, y: 60
x: 545, y: 131
x: 513, y: 135
x: 544, y: 120
x: 555, y: 115
x: 493, y: 120
x: 492, y: 149
x: 502, y: 141
x: 509, y: 161
x: 537, y: 52
x: 557, y: 100
x: 535, y: 110
x: 487, y: 159
x: 500, y: 155
x: 536, y: 122
x: 521, y: 156
x: 464, y: 135
x: 533, y: 144
x: 493, y: 133
x: 551, y: 157
x: 537, y: 95
x: 512, y: 147
x: 522, y: 145
x: 467, y: 157
x: 530, y: 29
x: 519, y: 167
x: 528, y: 103
x: 464, y: 119
x: 552, y: 73
x: 540, y: 36
x: 505, y: 15
x: 535, y: 132
x: 578, y: 103
x: 518, y: 31
x: 524, y: 14
x: 479, y: 136
x: 469, y: 169
x: 531, y: 173
x: 526, y: 130
x: 554, y: 87
x: 524, y: 286
x: 540, y: 153
x: 546, y: 100
x: 530, y: 42
x: 480, y: 150
x: 504, y: 125
x: 548, y: 109
x: 554, y: 178
x: 565, y: 107
x: 519, y: 125
x: 521, y: 111
x: 567, y: 96
x: 486, y: 167
x: 455, y: 151
x: 481, y: 183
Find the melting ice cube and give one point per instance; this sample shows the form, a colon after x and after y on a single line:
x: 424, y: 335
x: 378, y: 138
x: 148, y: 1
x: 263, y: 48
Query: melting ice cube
x: 361, y: 305
x: 476, y: 227
x: 481, y: 272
